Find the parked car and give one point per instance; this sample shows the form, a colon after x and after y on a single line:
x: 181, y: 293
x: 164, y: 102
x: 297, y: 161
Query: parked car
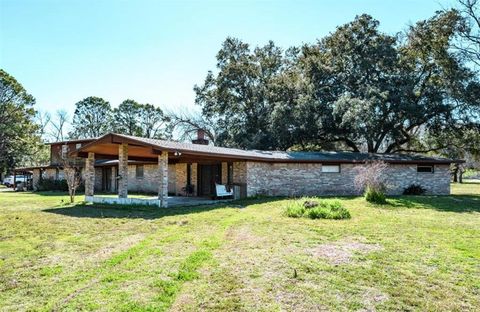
x: 8, y: 181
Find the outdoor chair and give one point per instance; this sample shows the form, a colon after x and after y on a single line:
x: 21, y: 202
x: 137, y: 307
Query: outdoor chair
x: 221, y: 191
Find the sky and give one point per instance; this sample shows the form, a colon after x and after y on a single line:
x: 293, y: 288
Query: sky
x: 154, y: 52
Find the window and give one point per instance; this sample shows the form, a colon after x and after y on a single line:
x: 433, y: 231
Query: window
x: 64, y: 151
x: 139, y: 171
x: 425, y: 168
x: 78, y: 145
x: 331, y: 168
x: 230, y: 173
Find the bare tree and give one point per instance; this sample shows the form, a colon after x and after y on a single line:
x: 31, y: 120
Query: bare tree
x: 43, y: 120
x: 372, y: 176
x: 187, y: 123
x: 58, y: 125
x: 71, y: 171
x: 469, y: 44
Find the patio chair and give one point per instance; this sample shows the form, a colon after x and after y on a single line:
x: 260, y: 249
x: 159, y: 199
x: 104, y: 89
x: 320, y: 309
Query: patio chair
x: 221, y: 191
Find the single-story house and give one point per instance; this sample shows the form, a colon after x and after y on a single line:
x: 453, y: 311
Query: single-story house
x: 120, y: 163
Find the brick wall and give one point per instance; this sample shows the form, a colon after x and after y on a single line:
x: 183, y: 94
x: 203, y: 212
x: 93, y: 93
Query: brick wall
x: 295, y: 179
x: 150, y: 182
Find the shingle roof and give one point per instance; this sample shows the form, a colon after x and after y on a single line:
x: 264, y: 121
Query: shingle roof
x: 279, y: 156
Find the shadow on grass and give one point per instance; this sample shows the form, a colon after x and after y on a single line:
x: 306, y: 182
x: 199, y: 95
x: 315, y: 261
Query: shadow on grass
x: 87, y: 210
x: 451, y: 203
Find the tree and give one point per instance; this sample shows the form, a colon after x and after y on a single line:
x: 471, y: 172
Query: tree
x: 19, y: 137
x: 126, y: 118
x: 188, y: 123
x: 238, y: 98
x: 72, y: 172
x: 469, y: 43
x: 377, y: 93
x: 144, y: 120
x: 92, y: 118
x: 357, y: 89
x: 58, y: 125
x: 153, y: 123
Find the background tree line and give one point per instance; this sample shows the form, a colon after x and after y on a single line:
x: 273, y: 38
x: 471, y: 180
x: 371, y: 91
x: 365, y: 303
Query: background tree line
x: 356, y: 89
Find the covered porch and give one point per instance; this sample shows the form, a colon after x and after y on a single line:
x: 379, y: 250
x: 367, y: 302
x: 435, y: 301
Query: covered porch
x: 177, y: 173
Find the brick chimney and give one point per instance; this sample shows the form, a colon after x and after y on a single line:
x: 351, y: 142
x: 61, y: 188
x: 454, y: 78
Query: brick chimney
x: 200, y: 138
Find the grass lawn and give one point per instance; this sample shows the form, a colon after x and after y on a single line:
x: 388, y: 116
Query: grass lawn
x: 417, y: 253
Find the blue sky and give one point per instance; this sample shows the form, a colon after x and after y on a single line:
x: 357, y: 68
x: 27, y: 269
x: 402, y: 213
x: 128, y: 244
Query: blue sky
x: 155, y: 51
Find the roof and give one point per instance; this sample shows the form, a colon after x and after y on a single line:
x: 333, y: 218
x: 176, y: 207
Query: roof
x: 72, y: 141
x: 274, y: 156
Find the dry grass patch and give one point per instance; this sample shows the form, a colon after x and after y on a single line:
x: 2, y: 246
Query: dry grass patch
x: 343, y: 251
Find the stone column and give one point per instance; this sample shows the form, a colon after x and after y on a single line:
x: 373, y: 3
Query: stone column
x: 123, y: 170
x: 194, y: 179
x: 163, y: 179
x: 90, y: 174
x: 36, y: 178
x: 114, y: 179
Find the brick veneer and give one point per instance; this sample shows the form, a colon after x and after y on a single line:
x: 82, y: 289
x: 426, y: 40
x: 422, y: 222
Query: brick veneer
x: 123, y: 170
x: 297, y: 179
x: 89, y: 174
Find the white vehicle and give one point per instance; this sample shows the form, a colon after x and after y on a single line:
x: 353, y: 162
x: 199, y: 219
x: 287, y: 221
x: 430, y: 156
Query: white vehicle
x: 8, y: 181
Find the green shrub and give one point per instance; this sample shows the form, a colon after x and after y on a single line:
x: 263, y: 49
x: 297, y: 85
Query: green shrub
x: 375, y: 196
x: 50, y: 184
x: 324, y: 210
x: 295, y: 209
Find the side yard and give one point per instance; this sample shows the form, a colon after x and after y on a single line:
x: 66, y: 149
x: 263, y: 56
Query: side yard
x: 416, y: 253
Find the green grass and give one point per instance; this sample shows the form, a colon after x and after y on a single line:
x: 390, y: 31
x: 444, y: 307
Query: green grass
x: 414, y: 253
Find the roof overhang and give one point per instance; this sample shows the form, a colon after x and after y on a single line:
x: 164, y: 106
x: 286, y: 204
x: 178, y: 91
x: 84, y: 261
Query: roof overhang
x: 106, y: 147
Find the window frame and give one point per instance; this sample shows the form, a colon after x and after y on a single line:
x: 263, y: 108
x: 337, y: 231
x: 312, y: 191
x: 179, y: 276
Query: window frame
x: 425, y: 166
x: 332, y: 165
x: 138, y: 170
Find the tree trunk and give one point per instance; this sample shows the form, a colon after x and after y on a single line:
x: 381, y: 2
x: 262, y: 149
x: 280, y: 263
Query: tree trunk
x: 455, y: 172
x: 460, y: 176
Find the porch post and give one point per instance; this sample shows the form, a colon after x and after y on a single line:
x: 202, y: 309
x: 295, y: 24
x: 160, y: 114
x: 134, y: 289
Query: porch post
x: 123, y: 170
x: 113, y: 179
x: 163, y: 179
x: 89, y: 175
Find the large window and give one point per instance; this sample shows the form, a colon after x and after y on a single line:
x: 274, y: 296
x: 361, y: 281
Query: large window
x: 139, y: 171
x: 331, y: 168
x: 425, y: 168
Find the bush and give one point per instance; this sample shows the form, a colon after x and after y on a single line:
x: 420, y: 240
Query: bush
x: 375, y: 196
x: 414, y: 189
x: 295, y: 209
x: 372, y: 180
x: 50, y: 184
x: 323, y: 210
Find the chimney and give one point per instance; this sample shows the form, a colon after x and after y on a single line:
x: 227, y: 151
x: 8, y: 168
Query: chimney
x: 200, y: 138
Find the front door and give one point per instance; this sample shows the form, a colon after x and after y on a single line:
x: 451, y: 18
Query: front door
x: 106, y: 179
x: 208, y: 175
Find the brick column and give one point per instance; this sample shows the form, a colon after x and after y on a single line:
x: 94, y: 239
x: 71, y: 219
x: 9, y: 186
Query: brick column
x: 113, y: 179
x: 36, y: 178
x: 163, y: 179
x: 194, y: 178
x: 90, y: 174
x: 123, y: 170
x: 224, y: 173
